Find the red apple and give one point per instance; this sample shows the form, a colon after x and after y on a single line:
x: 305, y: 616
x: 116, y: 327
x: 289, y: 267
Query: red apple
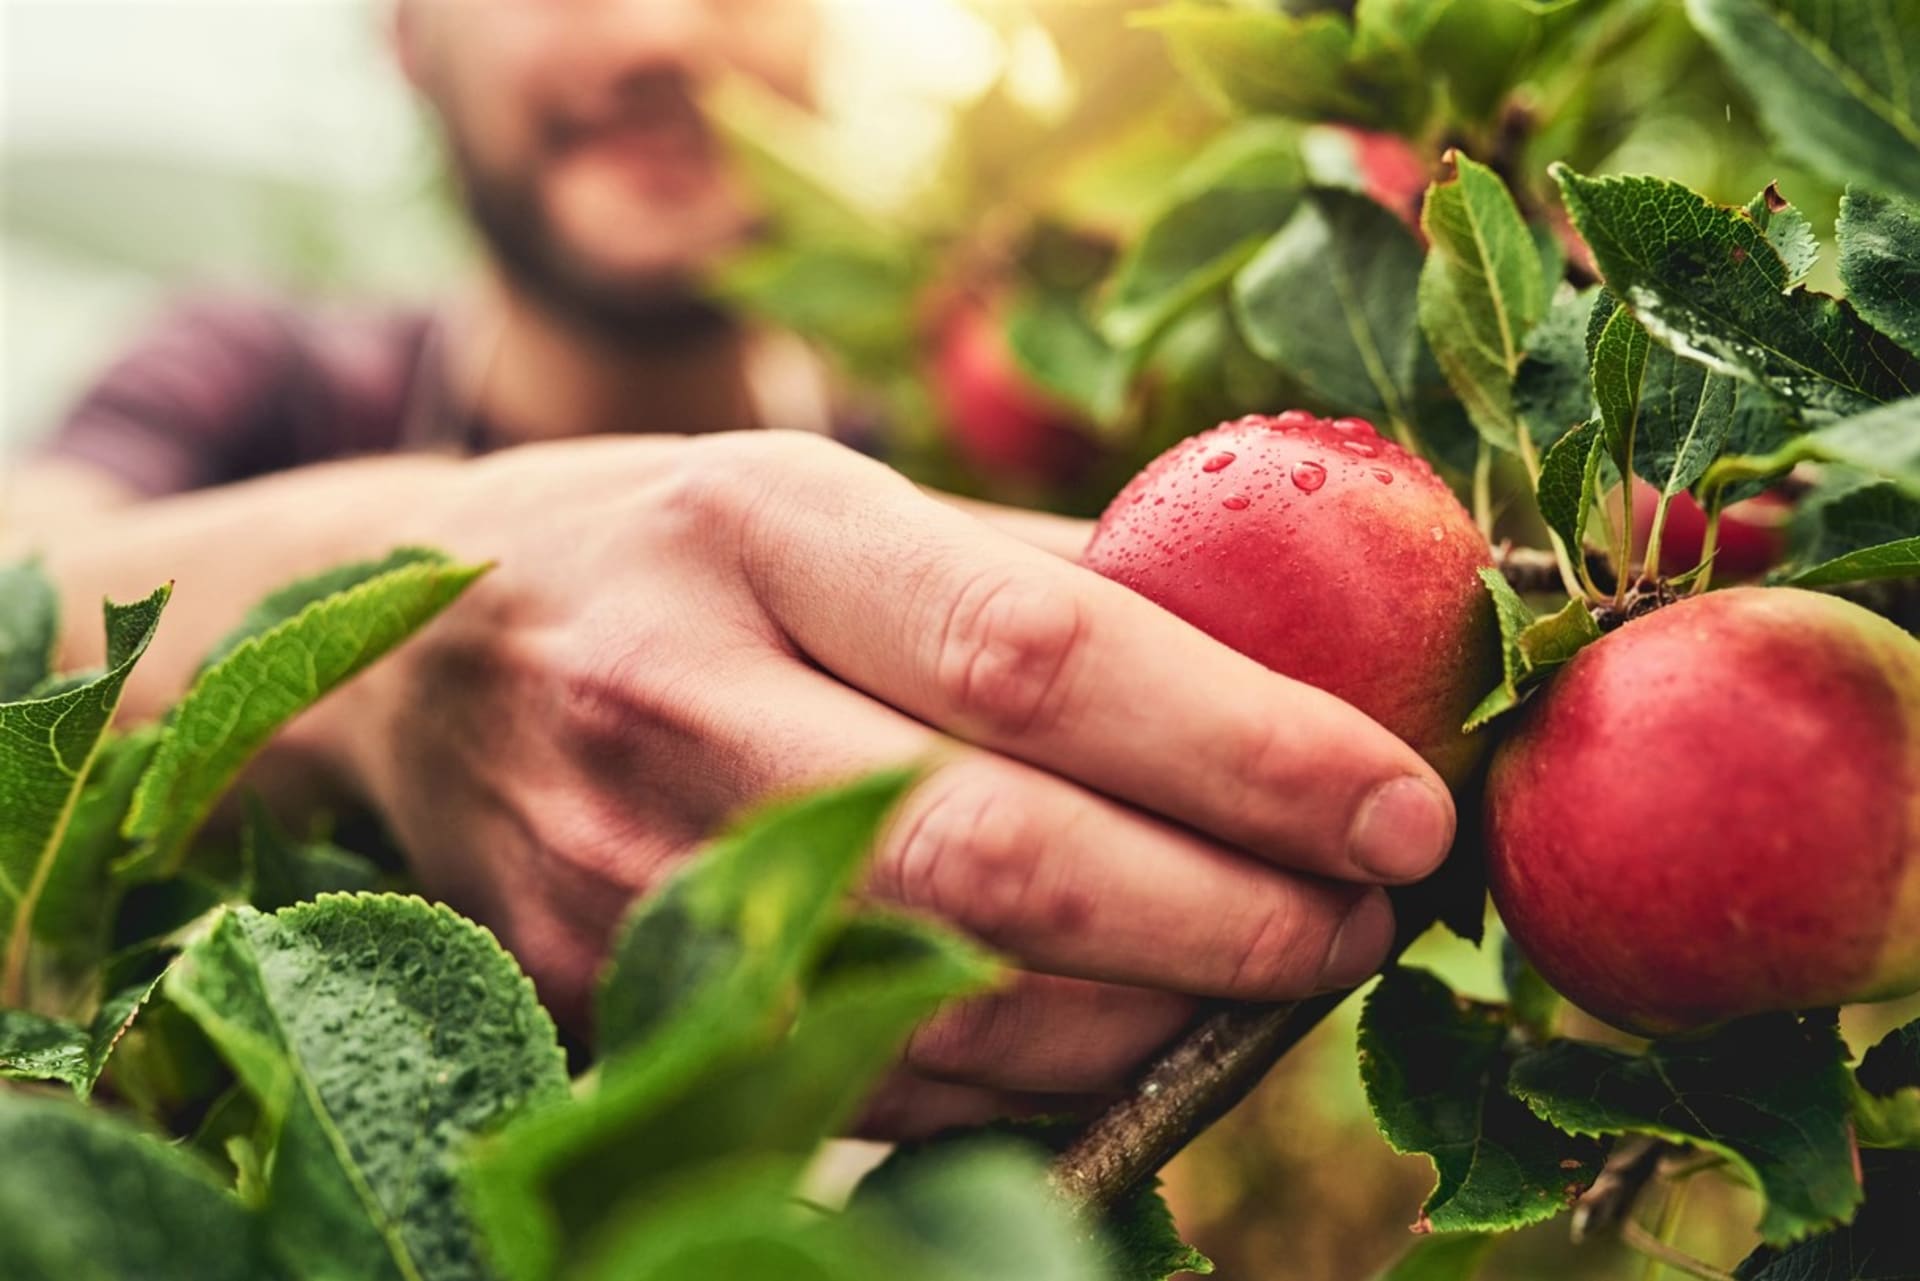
x: 1000, y: 422
x: 1328, y: 554
x: 1715, y: 811
x: 1391, y: 171
x: 1752, y: 539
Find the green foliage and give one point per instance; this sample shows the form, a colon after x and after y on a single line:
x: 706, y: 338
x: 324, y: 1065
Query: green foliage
x: 379, y: 1035
x: 1706, y: 280
x: 85, y: 1196
x: 1770, y: 1094
x: 1845, y: 533
x: 1880, y: 262
x: 1879, y: 1245
x: 1446, y: 1256
x: 1481, y: 292
x: 1436, y: 1070
x: 1531, y: 646
x: 295, y: 647
x: 1327, y: 297
x: 1836, y: 82
x: 47, y: 748
x: 29, y: 628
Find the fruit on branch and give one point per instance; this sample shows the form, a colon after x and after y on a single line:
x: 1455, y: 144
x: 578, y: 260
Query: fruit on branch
x: 1391, y: 172
x: 1715, y: 811
x: 1752, y: 538
x: 1326, y: 553
x: 999, y: 421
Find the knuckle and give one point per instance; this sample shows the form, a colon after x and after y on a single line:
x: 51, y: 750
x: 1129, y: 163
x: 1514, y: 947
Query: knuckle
x: 1280, y: 954
x: 1007, y: 649
x: 968, y: 853
x: 960, y: 1041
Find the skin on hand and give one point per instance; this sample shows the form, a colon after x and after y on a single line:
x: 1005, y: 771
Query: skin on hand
x: 680, y: 628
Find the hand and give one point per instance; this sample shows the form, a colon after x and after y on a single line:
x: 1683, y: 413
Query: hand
x: 680, y: 627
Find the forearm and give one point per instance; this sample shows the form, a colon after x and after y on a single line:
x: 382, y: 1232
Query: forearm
x: 223, y: 549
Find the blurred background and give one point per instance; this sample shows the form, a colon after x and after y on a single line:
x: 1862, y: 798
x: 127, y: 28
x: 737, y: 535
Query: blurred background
x: 948, y: 227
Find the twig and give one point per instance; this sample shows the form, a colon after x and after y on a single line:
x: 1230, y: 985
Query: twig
x: 1202, y: 1077
x: 1609, y: 1203
x: 1679, y: 1260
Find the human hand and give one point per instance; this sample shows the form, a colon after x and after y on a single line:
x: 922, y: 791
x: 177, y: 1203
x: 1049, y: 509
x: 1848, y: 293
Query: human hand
x: 677, y: 628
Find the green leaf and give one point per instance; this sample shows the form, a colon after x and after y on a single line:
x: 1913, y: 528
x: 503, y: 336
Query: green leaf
x: 285, y: 871
x: 1326, y: 300
x: 29, y: 628
x: 1884, y: 442
x: 1850, y: 533
x: 706, y: 1090
x: 1481, y: 292
x: 1570, y: 482
x: 85, y: 1196
x: 36, y: 1048
x: 1619, y: 374
x: 1451, y: 1256
x: 1788, y: 231
x: 1770, y: 1094
x: 1880, y: 262
x: 1531, y: 647
x: 1887, y: 1107
x: 47, y: 747
x: 1136, y: 1239
x: 1534, y: 1003
x: 1224, y: 205
x: 738, y: 927
x: 1435, y: 1067
x: 1836, y: 81
x: 340, y: 624
x: 1704, y: 280
x: 380, y: 1035
x: 1307, y: 67
x: 1553, y: 391
x: 1055, y: 344
x: 76, y: 903
x: 1879, y: 1245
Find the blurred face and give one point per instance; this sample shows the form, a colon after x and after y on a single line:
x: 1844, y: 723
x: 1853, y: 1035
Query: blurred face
x: 579, y: 141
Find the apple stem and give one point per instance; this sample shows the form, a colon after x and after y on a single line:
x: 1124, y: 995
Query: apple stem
x: 1659, y: 527
x: 1483, y: 490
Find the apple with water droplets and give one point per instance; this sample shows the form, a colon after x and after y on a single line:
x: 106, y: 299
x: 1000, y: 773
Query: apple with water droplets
x: 1715, y: 812
x: 1326, y: 553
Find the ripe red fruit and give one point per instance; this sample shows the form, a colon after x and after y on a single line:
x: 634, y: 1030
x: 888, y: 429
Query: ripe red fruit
x: 1391, y: 171
x: 1328, y: 554
x: 1752, y: 538
x: 1715, y: 812
x: 999, y: 422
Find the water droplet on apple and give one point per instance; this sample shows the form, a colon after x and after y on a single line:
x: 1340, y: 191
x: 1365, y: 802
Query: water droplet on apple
x: 1219, y: 462
x: 1437, y: 535
x: 1354, y: 427
x: 1364, y: 448
x: 1308, y: 477
x: 1234, y: 502
x: 1382, y: 475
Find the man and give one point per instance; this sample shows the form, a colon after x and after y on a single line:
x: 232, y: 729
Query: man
x: 680, y: 625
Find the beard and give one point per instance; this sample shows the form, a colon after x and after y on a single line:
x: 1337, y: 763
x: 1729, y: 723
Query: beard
x: 656, y: 309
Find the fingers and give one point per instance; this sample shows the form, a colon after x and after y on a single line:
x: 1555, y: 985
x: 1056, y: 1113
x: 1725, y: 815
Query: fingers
x: 1068, y: 881
x: 1074, y: 884
x: 1008, y: 647
x: 1048, y: 1035
x: 1064, y: 536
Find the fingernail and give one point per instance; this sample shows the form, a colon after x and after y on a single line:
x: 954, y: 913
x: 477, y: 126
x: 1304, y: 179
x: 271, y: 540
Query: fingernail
x: 1360, y: 943
x: 1402, y: 830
